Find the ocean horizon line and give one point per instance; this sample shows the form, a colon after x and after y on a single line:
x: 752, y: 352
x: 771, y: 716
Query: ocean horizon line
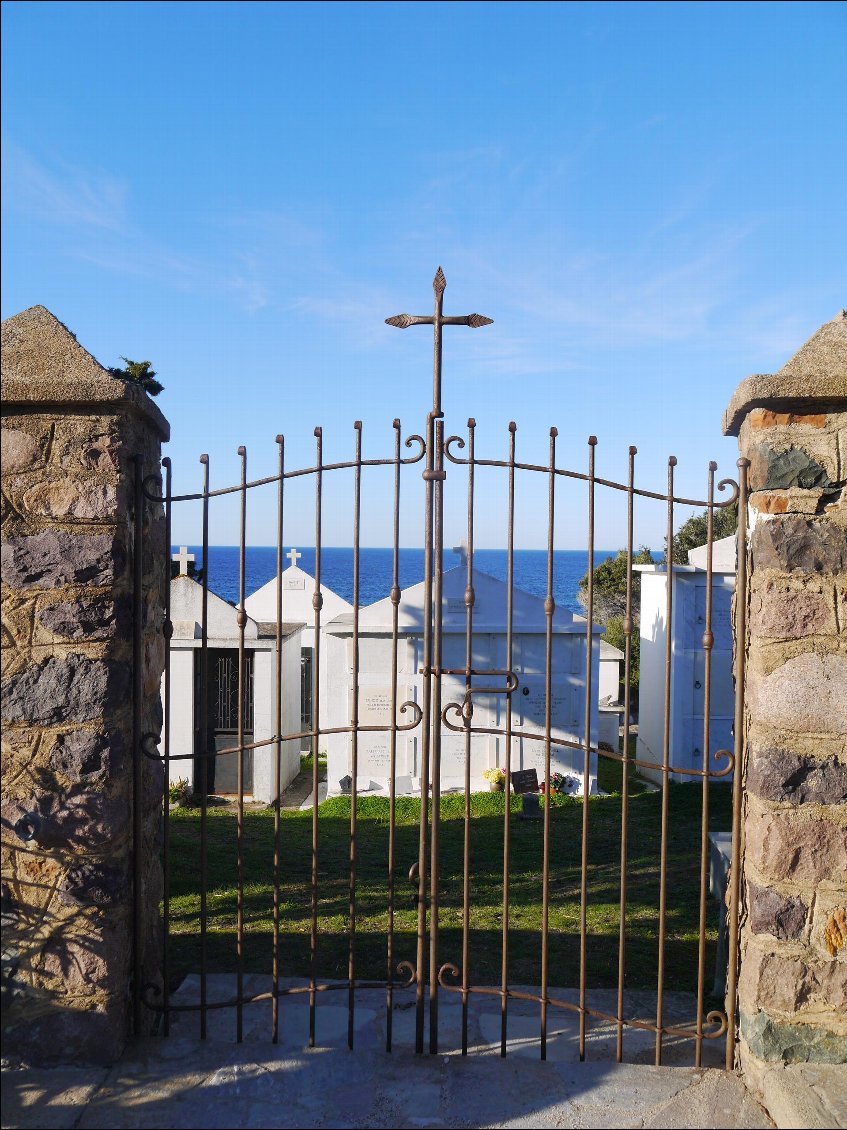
x: 376, y: 566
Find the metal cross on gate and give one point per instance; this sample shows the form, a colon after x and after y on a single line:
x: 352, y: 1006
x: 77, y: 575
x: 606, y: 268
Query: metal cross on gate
x: 437, y: 320
x: 430, y: 752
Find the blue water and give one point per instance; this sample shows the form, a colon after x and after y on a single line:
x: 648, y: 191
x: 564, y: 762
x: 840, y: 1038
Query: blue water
x: 569, y: 566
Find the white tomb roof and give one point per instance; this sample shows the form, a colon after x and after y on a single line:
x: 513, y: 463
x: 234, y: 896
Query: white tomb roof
x: 187, y: 613
x: 298, y: 589
x: 609, y: 651
x: 221, y: 618
x: 723, y: 559
x: 489, y: 611
x: 723, y: 555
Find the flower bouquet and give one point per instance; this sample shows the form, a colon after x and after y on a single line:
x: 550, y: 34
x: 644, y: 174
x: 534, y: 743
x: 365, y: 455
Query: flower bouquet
x: 496, y: 779
x: 560, y: 783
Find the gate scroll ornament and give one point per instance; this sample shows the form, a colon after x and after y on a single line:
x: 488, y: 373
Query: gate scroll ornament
x: 429, y: 973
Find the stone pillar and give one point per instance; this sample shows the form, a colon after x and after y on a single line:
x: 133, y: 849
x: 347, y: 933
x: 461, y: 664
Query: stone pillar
x: 792, y: 426
x: 71, y: 439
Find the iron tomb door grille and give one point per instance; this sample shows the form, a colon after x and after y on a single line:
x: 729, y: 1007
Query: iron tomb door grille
x: 420, y: 962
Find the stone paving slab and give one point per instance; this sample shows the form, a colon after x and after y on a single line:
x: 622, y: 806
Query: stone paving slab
x: 230, y: 1085
x: 52, y: 1098
x: 181, y: 1081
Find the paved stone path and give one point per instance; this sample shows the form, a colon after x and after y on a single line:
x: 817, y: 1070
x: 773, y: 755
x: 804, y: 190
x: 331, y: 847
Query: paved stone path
x: 183, y: 1082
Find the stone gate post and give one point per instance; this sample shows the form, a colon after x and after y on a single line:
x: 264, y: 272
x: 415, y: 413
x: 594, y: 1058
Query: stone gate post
x: 792, y: 426
x: 72, y: 438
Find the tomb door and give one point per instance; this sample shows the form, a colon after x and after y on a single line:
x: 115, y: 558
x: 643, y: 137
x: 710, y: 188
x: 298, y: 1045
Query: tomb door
x: 306, y: 655
x: 223, y: 718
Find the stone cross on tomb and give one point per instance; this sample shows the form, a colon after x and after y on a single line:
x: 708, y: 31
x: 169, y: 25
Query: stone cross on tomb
x: 185, y: 559
x: 293, y: 556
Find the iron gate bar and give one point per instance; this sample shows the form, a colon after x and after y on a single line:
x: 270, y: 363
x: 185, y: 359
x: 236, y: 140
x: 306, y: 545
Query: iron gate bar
x: 708, y: 641
x: 437, y: 643
x: 549, y: 609
x: 241, y: 620
x: 589, y: 643
x: 666, y: 753
x: 292, y: 735
x: 431, y: 735
x: 627, y: 705
x: 167, y: 629
x: 507, y: 808
x: 354, y: 737
x: 278, y: 760
x: 317, y: 603
x: 534, y: 736
x: 204, y: 746
x: 466, y: 845
x: 426, y: 706
x: 560, y: 471
x: 392, y: 771
x: 739, y: 747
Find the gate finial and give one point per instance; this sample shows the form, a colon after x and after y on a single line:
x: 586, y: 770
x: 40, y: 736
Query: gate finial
x: 437, y: 320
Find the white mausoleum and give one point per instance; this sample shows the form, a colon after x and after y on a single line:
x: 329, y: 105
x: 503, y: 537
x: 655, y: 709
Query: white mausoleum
x: 261, y: 685
x: 298, y: 588
x: 687, y: 700
x: 609, y: 694
x: 489, y: 652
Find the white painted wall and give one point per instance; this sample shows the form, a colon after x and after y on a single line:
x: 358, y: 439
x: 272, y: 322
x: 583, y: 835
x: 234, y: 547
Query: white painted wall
x: 610, y: 676
x: 487, y: 750
x: 181, y: 715
x: 687, y: 669
x: 265, y: 689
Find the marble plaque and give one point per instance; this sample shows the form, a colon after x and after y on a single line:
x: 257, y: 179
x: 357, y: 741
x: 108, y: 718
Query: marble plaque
x: 375, y: 755
x: 294, y: 583
x: 375, y: 706
x: 533, y: 709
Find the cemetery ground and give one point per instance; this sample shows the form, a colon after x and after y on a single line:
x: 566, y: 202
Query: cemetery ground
x: 486, y: 886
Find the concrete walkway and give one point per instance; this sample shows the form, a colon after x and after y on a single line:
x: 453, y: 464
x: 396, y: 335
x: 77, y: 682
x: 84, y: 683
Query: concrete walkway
x: 183, y: 1082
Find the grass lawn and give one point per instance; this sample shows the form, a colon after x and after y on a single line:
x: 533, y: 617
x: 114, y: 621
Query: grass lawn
x: 486, y: 871
x: 307, y: 764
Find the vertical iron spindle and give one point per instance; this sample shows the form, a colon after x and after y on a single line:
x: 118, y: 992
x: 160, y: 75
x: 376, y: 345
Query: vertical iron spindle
x: 666, y: 754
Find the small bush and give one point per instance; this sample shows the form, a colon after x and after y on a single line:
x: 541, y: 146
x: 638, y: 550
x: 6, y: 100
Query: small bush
x: 179, y: 792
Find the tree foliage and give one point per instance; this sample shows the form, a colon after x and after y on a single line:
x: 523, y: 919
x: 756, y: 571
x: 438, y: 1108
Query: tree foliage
x: 616, y: 636
x: 140, y: 373
x: 610, y: 586
x: 695, y: 532
x: 609, y: 607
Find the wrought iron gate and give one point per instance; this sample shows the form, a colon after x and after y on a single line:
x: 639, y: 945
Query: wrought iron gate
x: 421, y: 962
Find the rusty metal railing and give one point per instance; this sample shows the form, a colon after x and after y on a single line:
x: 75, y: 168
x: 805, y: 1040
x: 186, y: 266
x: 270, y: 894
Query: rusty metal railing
x: 425, y: 969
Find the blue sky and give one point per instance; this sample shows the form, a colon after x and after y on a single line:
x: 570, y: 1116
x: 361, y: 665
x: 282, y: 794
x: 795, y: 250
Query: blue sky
x: 647, y: 198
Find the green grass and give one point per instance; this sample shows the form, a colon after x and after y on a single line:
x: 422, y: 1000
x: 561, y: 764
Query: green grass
x: 486, y: 871
x: 306, y: 764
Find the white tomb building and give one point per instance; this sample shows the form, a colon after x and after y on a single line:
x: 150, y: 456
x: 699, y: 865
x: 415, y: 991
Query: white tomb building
x: 687, y: 699
x: 261, y: 683
x: 298, y: 588
x: 489, y: 653
x: 609, y: 694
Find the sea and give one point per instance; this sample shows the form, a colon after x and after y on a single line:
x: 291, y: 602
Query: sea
x: 375, y: 570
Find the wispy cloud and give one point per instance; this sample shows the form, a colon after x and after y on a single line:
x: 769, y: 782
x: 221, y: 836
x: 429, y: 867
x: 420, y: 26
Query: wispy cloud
x: 93, y: 209
x: 67, y: 195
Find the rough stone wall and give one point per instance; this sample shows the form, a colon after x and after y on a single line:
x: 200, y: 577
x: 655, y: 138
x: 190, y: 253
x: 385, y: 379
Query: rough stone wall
x: 793, y: 977
x: 69, y: 437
